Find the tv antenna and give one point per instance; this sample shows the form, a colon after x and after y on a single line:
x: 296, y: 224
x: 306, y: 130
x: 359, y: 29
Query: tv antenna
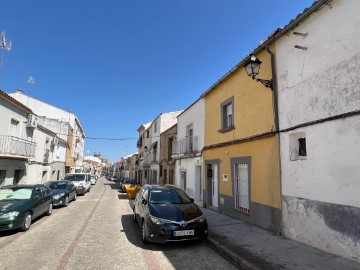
x: 5, y: 46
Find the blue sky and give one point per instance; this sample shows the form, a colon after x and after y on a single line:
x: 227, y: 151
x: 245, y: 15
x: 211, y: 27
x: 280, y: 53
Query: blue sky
x: 117, y: 64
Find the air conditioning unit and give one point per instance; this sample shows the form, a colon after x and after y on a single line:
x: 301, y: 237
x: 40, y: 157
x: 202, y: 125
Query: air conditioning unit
x: 55, y: 141
x: 32, y: 121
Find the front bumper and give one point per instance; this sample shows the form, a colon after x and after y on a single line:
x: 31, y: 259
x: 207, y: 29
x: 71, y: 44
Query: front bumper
x: 166, y: 232
x: 60, y: 201
x: 7, y: 224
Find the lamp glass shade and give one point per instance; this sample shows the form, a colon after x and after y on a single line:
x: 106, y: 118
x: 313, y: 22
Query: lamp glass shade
x: 253, y: 66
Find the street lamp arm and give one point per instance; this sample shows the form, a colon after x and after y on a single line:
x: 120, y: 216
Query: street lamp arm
x: 266, y: 83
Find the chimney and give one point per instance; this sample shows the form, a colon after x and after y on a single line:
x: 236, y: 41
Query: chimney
x: 19, y: 91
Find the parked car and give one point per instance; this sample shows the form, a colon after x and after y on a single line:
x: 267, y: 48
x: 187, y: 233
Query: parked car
x: 64, y: 191
x: 93, y: 179
x: 81, y: 181
x: 166, y: 213
x: 126, y: 182
x: 20, y: 204
x: 114, y: 178
x: 132, y: 190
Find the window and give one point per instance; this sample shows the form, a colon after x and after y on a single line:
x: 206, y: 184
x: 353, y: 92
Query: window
x: 155, y: 128
x: 2, y: 177
x: 297, y: 146
x: 170, y: 144
x: 241, y: 177
x: 189, y: 143
x: 302, y: 147
x: 227, y: 115
x: 241, y: 187
x: 165, y: 176
x: 161, y: 167
x: 14, y: 127
x: 147, y: 134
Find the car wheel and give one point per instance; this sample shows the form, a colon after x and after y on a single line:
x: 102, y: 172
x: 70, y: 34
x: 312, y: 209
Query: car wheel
x: 89, y: 189
x: 75, y: 196
x: 27, y: 222
x: 50, y: 210
x: 144, y: 233
x: 66, y: 203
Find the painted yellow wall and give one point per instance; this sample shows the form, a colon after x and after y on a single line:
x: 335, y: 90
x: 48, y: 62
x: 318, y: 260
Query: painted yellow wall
x: 265, y: 175
x: 253, y: 115
x: 253, y: 109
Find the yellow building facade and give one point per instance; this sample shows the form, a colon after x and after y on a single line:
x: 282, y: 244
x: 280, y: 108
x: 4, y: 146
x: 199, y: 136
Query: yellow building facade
x: 241, y: 153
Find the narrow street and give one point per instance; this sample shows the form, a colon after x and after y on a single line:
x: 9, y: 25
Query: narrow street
x: 97, y: 232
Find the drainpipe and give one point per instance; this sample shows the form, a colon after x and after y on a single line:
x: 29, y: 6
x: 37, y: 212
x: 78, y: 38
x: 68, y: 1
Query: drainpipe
x: 274, y: 88
x: 276, y: 119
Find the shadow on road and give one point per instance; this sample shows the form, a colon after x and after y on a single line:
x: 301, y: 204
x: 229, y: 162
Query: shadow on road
x: 112, y: 185
x: 132, y: 231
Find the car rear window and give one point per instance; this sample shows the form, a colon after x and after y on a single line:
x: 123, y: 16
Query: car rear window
x: 75, y: 177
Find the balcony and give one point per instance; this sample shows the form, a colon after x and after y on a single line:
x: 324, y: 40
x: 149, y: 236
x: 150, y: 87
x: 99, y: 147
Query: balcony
x: 184, y: 147
x: 16, y: 148
x: 148, y: 159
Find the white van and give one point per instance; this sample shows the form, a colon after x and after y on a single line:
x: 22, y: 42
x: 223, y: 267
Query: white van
x: 82, y: 181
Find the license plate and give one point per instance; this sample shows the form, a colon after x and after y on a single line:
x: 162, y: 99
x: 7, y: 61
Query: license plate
x: 184, y: 233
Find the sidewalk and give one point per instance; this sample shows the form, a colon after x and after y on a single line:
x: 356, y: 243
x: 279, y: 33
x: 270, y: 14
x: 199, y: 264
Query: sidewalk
x: 250, y: 247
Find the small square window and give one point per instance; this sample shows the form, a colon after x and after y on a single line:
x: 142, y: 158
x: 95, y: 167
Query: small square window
x: 297, y: 146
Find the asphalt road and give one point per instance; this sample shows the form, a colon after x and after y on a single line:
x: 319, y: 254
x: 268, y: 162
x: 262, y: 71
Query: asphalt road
x: 97, y: 232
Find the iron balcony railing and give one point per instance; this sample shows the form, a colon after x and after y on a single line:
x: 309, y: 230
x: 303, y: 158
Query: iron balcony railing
x: 11, y: 146
x: 185, y: 146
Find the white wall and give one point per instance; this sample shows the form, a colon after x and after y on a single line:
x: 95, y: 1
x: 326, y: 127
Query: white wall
x: 314, y: 84
x: 8, y: 111
x: 189, y: 165
x: 194, y: 115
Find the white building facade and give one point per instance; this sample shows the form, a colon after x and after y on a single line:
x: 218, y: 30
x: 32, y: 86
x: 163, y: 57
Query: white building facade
x: 186, y: 150
x: 152, y: 155
x: 17, y: 145
x: 318, y: 68
x: 48, y: 164
x: 60, y: 122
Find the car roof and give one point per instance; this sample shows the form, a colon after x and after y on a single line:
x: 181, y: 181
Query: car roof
x: 58, y: 181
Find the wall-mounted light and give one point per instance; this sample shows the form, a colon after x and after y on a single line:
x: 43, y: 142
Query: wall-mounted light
x: 252, y: 67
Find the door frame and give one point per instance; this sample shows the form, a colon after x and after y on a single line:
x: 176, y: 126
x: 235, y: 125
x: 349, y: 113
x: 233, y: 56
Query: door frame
x: 208, y: 182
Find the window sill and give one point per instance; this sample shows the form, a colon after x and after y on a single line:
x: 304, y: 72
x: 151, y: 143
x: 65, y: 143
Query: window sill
x: 224, y: 130
x: 298, y: 158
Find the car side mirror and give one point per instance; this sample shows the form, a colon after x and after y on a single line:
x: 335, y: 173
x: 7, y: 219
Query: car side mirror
x: 191, y: 200
x: 143, y: 201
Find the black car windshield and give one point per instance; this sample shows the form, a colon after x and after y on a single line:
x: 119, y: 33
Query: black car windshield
x: 55, y: 185
x: 168, y: 196
x: 15, y: 193
x: 75, y: 177
x: 130, y: 181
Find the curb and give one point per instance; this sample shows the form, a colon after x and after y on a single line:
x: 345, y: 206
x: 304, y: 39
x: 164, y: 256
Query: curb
x: 228, y: 254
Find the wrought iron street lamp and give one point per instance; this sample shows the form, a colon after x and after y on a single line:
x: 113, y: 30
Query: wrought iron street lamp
x: 252, y: 67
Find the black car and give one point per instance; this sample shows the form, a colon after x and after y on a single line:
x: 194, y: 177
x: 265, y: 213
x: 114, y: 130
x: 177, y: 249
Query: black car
x: 64, y: 191
x: 20, y: 204
x: 166, y: 213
